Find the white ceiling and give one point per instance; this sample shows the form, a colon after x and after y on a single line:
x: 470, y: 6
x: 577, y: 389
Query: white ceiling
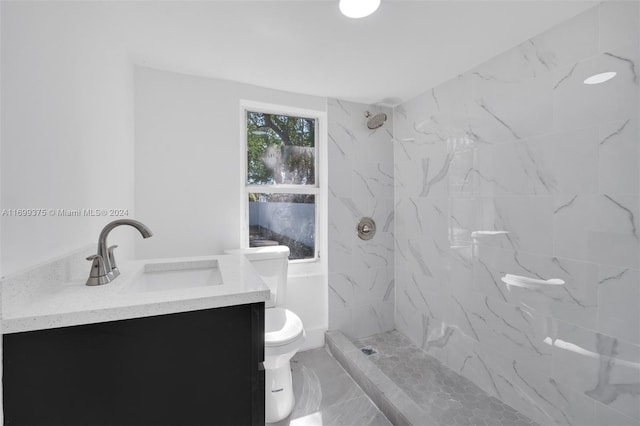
x: 308, y: 47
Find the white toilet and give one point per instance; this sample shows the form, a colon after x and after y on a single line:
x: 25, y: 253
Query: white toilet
x: 283, y: 330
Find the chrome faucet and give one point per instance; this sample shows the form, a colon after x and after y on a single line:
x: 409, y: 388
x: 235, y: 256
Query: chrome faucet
x: 103, y: 266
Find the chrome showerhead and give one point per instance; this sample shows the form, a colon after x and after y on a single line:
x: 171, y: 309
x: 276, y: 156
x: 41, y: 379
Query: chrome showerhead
x: 376, y: 120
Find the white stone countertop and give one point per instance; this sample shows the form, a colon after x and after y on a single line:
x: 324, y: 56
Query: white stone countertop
x: 28, y: 304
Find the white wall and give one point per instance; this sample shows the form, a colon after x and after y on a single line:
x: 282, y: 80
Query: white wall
x: 67, y: 127
x: 188, y: 159
x: 187, y: 170
x: 1, y: 353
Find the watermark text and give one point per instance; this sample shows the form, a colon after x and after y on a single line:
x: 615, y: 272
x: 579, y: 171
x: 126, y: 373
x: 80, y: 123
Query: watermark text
x: 65, y: 212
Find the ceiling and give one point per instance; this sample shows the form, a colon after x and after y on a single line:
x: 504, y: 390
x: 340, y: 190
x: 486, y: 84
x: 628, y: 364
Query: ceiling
x: 308, y: 47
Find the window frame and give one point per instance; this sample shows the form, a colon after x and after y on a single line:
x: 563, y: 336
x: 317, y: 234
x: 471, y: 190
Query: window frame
x: 319, y: 189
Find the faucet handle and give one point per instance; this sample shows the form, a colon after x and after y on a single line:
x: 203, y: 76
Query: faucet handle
x: 98, y: 274
x: 112, y: 261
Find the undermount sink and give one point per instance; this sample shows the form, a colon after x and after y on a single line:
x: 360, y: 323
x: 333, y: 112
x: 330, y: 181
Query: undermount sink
x: 176, y: 276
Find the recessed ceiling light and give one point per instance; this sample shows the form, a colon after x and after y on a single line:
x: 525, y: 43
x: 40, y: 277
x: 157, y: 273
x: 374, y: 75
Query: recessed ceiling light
x: 600, y: 78
x: 358, y: 8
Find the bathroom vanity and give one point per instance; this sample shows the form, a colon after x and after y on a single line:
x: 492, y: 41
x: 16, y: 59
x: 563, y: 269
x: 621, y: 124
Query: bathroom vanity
x: 129, y: 354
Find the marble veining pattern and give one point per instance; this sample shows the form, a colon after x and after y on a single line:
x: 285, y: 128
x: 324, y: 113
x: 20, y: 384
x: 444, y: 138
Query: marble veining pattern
x: 518, y: 167
x: 361, y: 183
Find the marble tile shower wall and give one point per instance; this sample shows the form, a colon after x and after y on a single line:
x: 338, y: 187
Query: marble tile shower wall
x: 518, y: 167
x: 361, y: 273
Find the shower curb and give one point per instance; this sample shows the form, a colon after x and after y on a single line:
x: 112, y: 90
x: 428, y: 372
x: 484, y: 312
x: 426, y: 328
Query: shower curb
x: 394, y: 403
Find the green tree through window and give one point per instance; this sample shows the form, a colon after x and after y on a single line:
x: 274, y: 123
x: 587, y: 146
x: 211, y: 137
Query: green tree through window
x: 281, y: 182
x: 281, y: 149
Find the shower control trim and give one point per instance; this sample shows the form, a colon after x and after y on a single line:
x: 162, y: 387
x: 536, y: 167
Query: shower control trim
x: 366, y: 228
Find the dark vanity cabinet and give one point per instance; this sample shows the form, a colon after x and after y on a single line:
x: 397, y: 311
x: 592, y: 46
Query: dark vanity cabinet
x: 192, y: 368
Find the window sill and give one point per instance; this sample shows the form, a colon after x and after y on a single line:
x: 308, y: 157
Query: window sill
x: 305, y: 267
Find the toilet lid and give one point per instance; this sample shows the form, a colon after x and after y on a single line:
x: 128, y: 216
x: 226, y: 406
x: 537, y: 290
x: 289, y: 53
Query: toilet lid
x: 281, y: 326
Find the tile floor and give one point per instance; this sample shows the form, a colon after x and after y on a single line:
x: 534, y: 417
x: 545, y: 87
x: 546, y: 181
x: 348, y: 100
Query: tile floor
x: 448, y: 397
x: 327, y: 395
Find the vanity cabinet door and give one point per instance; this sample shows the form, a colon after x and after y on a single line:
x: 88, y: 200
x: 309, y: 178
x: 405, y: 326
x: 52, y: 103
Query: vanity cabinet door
x: 192, y: 368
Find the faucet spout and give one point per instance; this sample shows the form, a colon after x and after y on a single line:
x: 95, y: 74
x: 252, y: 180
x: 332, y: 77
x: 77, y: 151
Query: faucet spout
x: 102, y: 240
x: 106, y: 254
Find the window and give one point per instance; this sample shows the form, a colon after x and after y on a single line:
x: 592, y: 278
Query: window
x: 282, y: 184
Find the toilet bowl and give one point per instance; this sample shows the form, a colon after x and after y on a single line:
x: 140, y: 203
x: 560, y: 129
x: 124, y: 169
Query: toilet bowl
x: 283, y: 330
x: 283, y: 337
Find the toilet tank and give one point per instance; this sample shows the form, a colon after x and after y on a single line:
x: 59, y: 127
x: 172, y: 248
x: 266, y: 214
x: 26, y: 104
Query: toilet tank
x: 272, y: 264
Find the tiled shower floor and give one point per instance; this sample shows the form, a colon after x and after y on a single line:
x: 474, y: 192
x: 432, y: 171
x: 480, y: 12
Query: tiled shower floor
x: 450, y: 398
